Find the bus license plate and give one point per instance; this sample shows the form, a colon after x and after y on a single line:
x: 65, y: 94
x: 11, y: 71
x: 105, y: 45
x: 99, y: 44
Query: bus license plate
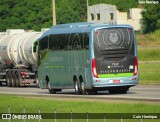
x: 116, y: 81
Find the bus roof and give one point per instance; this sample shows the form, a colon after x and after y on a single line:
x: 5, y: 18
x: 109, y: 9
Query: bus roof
x: 80, y: 27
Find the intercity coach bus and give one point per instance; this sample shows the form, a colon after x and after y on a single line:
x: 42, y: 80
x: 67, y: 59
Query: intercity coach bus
x: 88, y: 58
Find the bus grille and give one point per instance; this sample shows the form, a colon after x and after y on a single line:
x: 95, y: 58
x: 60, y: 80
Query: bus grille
x: 114, y: 54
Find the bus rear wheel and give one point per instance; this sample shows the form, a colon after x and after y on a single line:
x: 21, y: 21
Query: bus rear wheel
x: 37, y: 82
x: 91, y: 92
x: 123, y: 91
x: 83, y: 90
x: 76, y: 87
x: 118, y: 91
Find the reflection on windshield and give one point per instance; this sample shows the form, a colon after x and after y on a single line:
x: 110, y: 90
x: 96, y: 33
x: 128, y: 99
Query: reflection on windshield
x: 113, y: 38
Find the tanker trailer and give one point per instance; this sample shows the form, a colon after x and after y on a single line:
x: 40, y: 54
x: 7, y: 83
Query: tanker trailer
x: 18, y: 61
x: 2, y: 35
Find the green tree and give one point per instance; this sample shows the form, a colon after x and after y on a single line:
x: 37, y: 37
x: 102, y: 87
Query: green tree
x: 151, y: 18
x: 37, y: 14
x: 71, y: 11
x: 26, y: 14
x: 122, y: 5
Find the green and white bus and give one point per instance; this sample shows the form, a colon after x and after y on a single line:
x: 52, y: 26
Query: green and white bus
x: 88, y: 58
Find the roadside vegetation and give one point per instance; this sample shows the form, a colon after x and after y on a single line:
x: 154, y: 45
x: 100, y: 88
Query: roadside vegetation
x: 37, y: 14
x: 150, y: 39
x: 32, y: 105
x: 149, y: 73
x: 149, y: 57
x: 149, y: 54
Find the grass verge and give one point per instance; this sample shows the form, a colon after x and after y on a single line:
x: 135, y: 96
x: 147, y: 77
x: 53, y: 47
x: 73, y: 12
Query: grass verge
x: 49, y: 106
x: 149, y: 73
x: 33, y: 105
x: 149, y: 53
x: 152, y: 39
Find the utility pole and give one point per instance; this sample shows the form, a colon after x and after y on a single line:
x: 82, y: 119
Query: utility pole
x: 87, y: 12
x: 54, y: 11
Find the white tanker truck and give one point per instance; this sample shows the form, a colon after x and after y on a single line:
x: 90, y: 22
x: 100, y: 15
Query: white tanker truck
x: 18, y: 61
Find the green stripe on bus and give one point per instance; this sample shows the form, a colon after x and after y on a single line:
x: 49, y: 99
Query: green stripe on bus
x: 54, y: 66
x: 115, y: 75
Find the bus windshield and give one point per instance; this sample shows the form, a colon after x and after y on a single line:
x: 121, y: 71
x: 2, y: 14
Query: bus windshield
x: 114, y: 50
x: 115, y: 41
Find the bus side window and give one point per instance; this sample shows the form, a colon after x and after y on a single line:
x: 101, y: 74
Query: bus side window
x: 44, y: 43
x: 73, y: 41
x: 53, y: 42
x: 86, y: 41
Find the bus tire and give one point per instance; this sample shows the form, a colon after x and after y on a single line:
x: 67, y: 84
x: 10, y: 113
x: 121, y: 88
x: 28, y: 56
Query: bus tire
x: 118, y: 91
x: 37, y: 82
x: 47, y: 82
x: 76, y: 87
x: 52, y: 91
x: 112, y: 92
x: 91, y: 92
x: 123, y: 91
x: 83, y: 90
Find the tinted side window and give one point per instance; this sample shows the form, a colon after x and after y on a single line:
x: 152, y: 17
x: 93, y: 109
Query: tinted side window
x: 61, y: 42
x: 43, y: 49
x: 57, y: 42
x: 86, y: 40
x: 78, y: 41
x: 73, y: 41
x: 52, y: 42
x: 43, y: 43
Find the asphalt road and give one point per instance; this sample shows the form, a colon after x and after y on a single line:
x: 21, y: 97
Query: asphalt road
x: 149, y: 93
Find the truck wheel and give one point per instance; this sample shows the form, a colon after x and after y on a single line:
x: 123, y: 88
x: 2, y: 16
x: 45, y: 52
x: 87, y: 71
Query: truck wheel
x: 37, y: 82
x: 9, y: 82
x: 17, y: 80
x: 13, y: 80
